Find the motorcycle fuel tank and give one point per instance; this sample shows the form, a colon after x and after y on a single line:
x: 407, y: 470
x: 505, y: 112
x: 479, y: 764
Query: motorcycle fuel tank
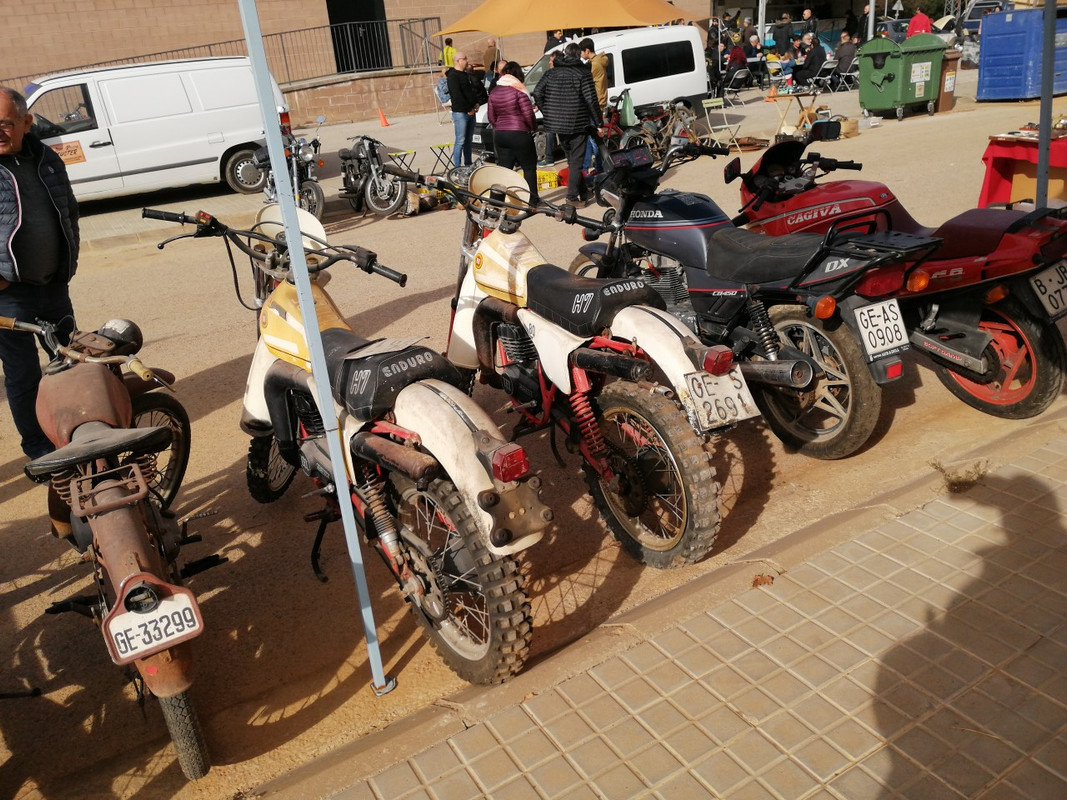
x: 815, y: 210
x: 502, y: 263
x: 677, y: 225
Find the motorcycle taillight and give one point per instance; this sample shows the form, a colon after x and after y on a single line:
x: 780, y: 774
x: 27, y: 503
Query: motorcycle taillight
x: 718, y: 360
x: 510, y: 463
x: 286, y: 123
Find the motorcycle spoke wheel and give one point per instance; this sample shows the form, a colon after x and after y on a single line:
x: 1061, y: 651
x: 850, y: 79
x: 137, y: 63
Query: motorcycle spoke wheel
x: 187, y: 735
x: 663, y: 503
x: 837, y: 415
x: 312, y: 198
x: 268, y: 474
x: 385, y: 196
x: 473, y: 607
x: 1030, y: 360
x: 154, y: 409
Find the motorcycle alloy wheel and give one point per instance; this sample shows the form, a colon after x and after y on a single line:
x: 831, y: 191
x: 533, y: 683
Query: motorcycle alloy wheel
x: 1030, y: 359
x: 663, y: 505
x: 187, y: 735
x: 312, y: 198
x: 837, y: 415
x: 474, y: 608
x: 155, y: 409
x: 268, y: 474
x: 385, y: 195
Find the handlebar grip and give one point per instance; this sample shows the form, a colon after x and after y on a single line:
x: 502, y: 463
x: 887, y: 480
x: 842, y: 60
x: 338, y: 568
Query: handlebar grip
x: 400, y: 172
x: 8, y: 322
x: 849, y: 165
x: 167, y: 216
x: 398, y: 278
x: 714, y: 150
x: 140, y: 370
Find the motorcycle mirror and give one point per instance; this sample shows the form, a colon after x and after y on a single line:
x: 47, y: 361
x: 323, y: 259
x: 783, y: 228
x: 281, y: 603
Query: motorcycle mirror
x: 732, y: 170
x: 824, y: 130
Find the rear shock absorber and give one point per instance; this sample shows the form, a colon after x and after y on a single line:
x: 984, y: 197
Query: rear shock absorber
x: 761, y: 324
x: 587, y: 423
x: 371, y: 488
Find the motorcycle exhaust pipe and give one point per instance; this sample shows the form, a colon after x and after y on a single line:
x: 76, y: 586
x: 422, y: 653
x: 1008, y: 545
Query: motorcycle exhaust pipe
x: 631, y: 369
x: 395, y: 457
x: 789, y: 374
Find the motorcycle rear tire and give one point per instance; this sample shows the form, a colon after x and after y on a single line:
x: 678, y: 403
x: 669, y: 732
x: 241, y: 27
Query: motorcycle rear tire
x: 837, y: 416
x: 1038, y: 355
x: 187, y: 735
x: 385, y: 196
x: 484, y: 631
x: 268, y: 474
x: 676, y: 460
x: 163, y: 410
x: 312, y: 198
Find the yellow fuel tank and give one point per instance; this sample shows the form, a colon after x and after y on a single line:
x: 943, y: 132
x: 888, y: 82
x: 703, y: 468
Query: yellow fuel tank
x: 502, y: 263
x: 282, y: 325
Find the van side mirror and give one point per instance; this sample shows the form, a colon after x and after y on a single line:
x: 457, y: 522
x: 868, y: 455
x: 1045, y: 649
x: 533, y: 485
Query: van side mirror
x: 732, y: 170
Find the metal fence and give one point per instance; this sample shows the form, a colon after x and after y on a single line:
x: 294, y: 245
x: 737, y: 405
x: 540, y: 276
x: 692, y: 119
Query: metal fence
x: 311, y: 52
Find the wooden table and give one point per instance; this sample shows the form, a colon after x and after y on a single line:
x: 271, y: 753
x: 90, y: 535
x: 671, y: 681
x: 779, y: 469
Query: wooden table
x: 784, y: 100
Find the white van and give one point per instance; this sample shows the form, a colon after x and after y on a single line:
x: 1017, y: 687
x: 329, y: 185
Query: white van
x: 143, y: 127
x: 656, y: 64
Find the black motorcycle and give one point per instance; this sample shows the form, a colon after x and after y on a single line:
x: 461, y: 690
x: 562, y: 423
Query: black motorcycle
x: 301, y: 158
x: 366, y: 184
x: 814, y: 352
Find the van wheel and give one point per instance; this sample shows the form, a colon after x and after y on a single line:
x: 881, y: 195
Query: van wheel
x: 241, y: 173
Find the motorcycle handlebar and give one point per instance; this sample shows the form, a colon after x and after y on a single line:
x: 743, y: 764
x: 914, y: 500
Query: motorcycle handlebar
x: 400, y: 172
x: 167, y: 216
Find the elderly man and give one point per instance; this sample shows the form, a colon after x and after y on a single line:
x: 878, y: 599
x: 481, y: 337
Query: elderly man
x: 466, y: 95
x: 813, y: 61
x: 39, y: 245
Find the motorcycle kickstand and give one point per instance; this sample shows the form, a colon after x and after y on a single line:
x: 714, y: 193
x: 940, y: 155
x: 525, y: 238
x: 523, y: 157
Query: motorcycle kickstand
x: 325, y: 517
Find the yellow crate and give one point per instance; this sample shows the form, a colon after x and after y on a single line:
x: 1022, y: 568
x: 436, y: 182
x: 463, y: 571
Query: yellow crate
x: 547, y: 179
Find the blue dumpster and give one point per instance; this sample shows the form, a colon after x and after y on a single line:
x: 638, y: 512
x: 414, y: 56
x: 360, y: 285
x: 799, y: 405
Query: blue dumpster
x: 1009, y: 63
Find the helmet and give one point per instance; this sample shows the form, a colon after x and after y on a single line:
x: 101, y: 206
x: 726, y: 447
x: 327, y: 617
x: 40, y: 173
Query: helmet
x: 125, y: 334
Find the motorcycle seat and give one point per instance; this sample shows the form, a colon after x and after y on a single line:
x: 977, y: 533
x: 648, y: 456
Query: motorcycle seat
x: 367, y: 386
x: 974, y: 233
x: 743, y: 256
x: 584, y: 306
x: 94, y: 440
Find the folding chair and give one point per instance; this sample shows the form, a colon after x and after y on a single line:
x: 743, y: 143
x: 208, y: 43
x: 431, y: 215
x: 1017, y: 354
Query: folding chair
x: 739, y: 81
x: 776, y: 73
x: 718, y: 105
x: 444, y: 110
x: 821, y: 80
x: 442, y: 158
x: 404, y: 158
x: 850, y: 78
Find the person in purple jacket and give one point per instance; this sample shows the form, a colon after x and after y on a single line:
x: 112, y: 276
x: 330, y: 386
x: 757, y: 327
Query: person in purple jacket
x: 512, y: 116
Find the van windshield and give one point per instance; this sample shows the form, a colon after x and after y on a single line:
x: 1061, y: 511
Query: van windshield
x: 534, y: 73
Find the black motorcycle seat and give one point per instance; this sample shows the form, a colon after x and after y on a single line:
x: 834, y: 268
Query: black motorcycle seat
x: 345, y: 153
x: 974, y: 233
x: 743, y: 256
x: 93, y: 441
x: 584, y: 306
x: 367, y: 386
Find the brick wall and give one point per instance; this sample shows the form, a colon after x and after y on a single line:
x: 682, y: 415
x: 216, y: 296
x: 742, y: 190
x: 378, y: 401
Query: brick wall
x: 357, y: 98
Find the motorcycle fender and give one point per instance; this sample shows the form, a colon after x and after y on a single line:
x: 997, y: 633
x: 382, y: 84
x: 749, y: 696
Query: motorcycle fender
x: 462, y: 350
x: 450, y: 425
x: 663, y: 338
x: 886, y: 367
x: 554, y: 347
x: 594, y: 251
x: 255, y: 418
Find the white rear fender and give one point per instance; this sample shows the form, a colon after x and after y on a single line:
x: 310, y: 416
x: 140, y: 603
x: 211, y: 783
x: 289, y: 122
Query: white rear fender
x: 554, y: 347
x: 451, y: 427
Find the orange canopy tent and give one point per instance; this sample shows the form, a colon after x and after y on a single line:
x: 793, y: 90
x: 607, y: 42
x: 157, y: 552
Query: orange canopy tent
x: 509, y: 17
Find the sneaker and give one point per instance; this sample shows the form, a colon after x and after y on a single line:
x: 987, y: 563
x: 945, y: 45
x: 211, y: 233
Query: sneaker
x: 544, y: 163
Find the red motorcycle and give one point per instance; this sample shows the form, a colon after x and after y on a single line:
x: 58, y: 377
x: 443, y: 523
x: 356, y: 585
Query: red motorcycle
x: 983, y: 307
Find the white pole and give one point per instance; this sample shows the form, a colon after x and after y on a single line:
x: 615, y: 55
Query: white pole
x: 254, y: 39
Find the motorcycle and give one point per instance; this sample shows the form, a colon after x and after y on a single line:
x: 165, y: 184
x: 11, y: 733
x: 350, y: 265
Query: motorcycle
x: 301, y: 158
x: 436, y: 491
x: 583, y: 357
x: 365, y: 181
x: 814, y: 351
x: 983, y: 308
x: 108, y: 499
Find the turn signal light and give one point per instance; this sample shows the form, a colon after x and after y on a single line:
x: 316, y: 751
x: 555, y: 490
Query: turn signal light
x: 718, y: 360
x: 510, y: 463
x: 825, y: 307
x: 321, y: 163
x: 918, y: 280
x: 996, y: 294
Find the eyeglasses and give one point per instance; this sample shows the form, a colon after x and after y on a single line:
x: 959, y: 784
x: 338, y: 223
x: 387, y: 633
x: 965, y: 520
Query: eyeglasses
x: 7, y: 125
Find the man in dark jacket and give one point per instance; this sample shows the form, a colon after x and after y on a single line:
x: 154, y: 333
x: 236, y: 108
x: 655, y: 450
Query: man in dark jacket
x: 39, y: 244
x: 466, y: 94
x: 813, y: 61
x: 567, y: 98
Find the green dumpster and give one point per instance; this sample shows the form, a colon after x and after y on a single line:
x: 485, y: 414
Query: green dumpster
x: 895, y: 77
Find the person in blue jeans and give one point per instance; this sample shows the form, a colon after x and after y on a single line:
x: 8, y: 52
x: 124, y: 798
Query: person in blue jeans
x: 467, y: 96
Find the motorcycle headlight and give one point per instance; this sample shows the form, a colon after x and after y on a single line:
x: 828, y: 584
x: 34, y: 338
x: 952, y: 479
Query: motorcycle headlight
x: 306, y: 153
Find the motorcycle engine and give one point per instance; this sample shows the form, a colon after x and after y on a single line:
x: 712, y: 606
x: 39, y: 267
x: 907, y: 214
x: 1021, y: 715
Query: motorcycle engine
x: 667, y: 277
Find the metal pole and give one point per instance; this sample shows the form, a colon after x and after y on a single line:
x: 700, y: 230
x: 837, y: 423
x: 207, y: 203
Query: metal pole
x: 254, y: 38
x: 1044, y: 132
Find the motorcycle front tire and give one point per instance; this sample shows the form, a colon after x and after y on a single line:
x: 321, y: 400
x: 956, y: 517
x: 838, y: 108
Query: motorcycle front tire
x: 385, y: 196
x: 312, y: 198
x: 154, y: 409
x: 836, y: 417
x: 663, y: 504
x: 1031, y: 359
x: 474, y: 608
x: 267, y: 474
x: 187, y: 735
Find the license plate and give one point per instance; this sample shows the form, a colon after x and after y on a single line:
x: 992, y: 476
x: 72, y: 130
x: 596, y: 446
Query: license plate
x: 720, y: 399
x: 1050, y: 286
x: 132, y: 635
x: 476, y: 138
x: 882, y: 329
